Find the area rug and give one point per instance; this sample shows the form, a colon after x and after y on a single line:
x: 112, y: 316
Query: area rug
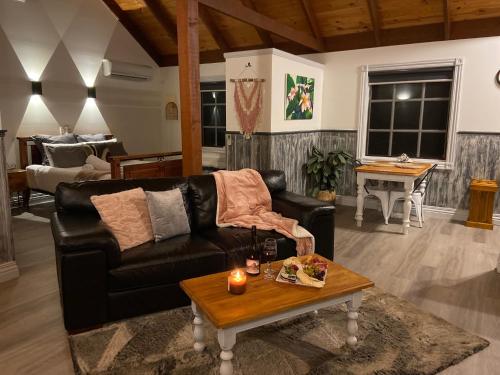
x: 394, y: 337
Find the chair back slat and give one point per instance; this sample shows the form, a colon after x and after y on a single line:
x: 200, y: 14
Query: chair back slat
x: 427, y: 178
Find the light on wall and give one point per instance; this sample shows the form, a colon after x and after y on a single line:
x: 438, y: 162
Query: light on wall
x: 36, y: 88
x: 91, y: 92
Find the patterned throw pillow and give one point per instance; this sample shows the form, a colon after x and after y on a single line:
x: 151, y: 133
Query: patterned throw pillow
x: 127, y: 216
x: 39, y: 140
x: 168, y: 214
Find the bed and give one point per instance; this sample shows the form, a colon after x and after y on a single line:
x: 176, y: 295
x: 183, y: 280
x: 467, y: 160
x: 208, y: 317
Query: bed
x: 45, y: 178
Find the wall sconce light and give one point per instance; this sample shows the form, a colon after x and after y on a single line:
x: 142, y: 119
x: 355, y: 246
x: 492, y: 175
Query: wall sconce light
x: 36, y: 88
x: 91, y: 92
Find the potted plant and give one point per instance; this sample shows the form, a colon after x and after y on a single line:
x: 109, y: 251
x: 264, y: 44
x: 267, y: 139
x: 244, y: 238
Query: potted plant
x: 324, y: 172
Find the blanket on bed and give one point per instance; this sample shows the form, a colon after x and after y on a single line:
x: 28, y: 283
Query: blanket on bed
x: 243, y: 200
x: 90, y: 174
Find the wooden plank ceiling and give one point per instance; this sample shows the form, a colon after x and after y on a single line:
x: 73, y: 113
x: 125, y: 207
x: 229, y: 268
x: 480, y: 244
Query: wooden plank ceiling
x: 326, y: 25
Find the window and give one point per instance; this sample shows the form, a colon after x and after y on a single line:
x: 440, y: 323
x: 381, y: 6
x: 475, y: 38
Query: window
x: 213, y: 114
x: 410, y: 109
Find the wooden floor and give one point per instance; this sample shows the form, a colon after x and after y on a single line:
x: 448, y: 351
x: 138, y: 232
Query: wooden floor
x: 444, y: 268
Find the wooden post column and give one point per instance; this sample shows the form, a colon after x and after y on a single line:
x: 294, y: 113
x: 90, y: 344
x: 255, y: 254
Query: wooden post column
x: 8, y: 266
x: 189, y: 82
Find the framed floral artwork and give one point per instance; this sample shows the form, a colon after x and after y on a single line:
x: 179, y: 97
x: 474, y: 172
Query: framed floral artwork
x: 299, y: 98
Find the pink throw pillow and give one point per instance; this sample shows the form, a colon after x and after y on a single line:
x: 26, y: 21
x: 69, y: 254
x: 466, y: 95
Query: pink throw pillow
x: 127, y: 216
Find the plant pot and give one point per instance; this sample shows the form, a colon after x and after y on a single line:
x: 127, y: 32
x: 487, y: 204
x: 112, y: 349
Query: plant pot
x: 326, y: 195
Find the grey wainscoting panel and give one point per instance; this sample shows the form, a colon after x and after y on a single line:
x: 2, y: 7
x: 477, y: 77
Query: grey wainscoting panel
x: 289, y: 152
x: 477, y: 156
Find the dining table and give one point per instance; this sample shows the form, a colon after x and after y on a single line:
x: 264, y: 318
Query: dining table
x: 407, y: 173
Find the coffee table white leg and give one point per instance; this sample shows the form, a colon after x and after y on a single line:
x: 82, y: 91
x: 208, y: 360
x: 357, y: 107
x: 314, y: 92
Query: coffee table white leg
x: 227, y: 339
x: 352, y: 318
x: 198, y: 329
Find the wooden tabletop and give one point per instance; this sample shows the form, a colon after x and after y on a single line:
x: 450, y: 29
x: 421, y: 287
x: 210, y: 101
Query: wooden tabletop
x: 265, y: 297
x: 413, y: 169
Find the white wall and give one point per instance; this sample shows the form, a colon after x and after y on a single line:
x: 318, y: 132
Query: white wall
x: 62, y: 43
x: 273, y: 65
x: 480, y: 100
x: 283, y: 64
x: 261, y: 67
x: 171, y: 129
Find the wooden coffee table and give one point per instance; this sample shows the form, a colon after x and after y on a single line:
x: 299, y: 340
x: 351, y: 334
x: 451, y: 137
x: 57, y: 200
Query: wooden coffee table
x: 267, y: 301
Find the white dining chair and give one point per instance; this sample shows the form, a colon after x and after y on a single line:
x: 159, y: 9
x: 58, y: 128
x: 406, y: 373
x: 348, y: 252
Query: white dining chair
x: 378, y: 191
x: 417, y: 196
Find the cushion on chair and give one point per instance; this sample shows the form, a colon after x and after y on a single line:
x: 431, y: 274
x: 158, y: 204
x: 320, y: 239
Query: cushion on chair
x: 166, y: 262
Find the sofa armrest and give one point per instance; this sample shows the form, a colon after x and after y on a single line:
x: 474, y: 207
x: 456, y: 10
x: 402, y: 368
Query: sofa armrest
x: 84, y: 232
x: 316, y: 216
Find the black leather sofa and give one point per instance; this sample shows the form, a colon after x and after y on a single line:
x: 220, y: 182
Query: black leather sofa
x: 98, y: 283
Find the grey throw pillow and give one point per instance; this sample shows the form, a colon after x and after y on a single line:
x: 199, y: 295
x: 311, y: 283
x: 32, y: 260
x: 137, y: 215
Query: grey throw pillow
x: 167, y: 213
x: 39, y: 140
x: 90, y: 137
x: 66, y: 156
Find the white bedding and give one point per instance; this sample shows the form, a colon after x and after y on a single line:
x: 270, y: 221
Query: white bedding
x: 46, y: 178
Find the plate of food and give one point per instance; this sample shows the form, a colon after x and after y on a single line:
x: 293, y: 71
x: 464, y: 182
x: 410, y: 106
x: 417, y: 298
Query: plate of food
x: 308, y: 271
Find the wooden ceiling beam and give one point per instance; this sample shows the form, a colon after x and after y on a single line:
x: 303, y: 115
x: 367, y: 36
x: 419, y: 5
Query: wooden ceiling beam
x: 404, y: 35
x: 312, y: 21
x: 447, y: 21
x: 160, y: 13
x: 375, y: 18
x: 263, y: 35
x: 212, y: 28
x: 242, y: 13
x: 136, y: 33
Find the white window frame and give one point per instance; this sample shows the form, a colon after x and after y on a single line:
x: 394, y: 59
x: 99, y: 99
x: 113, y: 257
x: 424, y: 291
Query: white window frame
x: 364, y: 101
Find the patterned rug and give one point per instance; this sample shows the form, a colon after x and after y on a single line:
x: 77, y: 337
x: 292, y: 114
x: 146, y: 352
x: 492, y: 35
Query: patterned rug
x: 394, y: 338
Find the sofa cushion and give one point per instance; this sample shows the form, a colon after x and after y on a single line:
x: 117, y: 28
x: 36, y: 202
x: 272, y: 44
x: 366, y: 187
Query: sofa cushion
x: 75, y: 197
x: 203, y: 199
x: 274, y: 180
x: 236, y: 243
x: 126, y: 214
x: 166, y: 262
x: 167, y: 213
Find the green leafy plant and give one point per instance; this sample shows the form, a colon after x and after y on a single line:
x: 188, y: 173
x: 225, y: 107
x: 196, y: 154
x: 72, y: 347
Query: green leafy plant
x: 325, y: 171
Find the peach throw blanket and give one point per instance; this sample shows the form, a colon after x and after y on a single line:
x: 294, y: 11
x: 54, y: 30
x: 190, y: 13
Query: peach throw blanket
x: 243, y: 200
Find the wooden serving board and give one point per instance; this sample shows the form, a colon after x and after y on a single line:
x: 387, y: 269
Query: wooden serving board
x: 282, y: 279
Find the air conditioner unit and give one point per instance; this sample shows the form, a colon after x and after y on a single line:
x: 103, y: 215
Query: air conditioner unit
x: 123, y: 70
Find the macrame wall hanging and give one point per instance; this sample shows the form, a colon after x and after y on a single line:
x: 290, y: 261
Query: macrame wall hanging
x: 248, y: 100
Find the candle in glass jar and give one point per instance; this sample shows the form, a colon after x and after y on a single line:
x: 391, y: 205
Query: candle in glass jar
x: 237, y: 282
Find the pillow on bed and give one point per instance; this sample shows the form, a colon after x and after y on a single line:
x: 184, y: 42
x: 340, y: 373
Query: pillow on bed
x: 126, y: 215
x: 39, y: 140
x: 66, y: 155
x: 105, y: 149
x: 90, y: 137
x: 98, y: 164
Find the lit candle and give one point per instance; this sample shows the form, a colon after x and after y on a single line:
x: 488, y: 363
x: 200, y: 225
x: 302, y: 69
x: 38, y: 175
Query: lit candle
x: 237, y: 282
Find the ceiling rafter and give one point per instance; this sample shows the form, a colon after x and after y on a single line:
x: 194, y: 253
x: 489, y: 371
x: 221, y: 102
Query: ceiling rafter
x: 160, y: 13
x: 375, y: 18
x: 132, y: 28
x: 447, y: 21
x: 263, y: 35
x: 251, y: 17
x: 312, y: 21
x: 207, y: 19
